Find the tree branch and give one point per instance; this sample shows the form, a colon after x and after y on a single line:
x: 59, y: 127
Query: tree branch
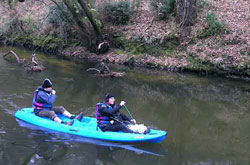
x: 13, y: 53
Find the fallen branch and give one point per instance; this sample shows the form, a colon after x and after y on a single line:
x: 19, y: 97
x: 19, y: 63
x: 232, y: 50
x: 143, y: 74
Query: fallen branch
x: 103, y: 70
x: 94, y: 69
x: 34, y: 61
x: 113, y: 74
x: 13, y: 53
x: 34, y: 65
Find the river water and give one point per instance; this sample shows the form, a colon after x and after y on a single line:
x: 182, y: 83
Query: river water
x: 207, y: 118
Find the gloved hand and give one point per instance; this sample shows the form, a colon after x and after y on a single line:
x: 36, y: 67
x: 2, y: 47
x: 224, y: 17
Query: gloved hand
x: 122, y: 103
x: 53, y: 92
x: 112, y: 122
x: 133, y: 121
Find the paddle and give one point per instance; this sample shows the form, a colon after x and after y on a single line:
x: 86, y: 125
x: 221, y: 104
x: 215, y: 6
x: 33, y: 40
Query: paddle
x: 134, y: 121
x: 129, y: 112
x: 118, y: 121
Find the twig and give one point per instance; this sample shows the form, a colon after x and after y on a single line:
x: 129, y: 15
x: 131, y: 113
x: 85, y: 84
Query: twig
x: 151, y: 22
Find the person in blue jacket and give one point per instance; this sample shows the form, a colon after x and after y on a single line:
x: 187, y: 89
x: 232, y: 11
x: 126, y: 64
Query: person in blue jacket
x: 43, y: 100
x: 109, y: 117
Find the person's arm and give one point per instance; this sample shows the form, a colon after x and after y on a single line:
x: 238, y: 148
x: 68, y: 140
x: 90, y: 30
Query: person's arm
x: 105, y: 111
x: 43, y: 97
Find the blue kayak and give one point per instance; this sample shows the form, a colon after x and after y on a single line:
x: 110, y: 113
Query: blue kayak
x: 87, y: 127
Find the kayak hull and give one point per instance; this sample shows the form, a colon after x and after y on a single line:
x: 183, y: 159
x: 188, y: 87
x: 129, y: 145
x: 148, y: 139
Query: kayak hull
x: 87, y: 127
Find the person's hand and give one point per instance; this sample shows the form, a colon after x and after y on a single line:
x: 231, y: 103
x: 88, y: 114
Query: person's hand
x: 122, y: 103
x: 133, y: 121
x: 53, y: 92
x: 112, y: 122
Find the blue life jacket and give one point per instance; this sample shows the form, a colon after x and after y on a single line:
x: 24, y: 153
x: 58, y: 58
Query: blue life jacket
x: 38, y: 106
x: 101, y: 119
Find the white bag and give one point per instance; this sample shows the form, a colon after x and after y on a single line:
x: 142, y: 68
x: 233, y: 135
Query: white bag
x: 138, y: 128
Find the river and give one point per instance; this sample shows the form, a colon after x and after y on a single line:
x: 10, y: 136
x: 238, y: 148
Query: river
x: 207, y: 118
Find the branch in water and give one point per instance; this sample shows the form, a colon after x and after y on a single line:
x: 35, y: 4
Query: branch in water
x: 12, y: 52
x: 34, y: 61
x: 94, y: 69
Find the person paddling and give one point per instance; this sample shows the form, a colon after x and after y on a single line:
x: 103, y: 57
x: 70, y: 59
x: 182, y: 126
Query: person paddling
x: 43, y: 100
x: 109, y: 117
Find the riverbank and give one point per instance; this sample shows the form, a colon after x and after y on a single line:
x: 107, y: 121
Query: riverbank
x: 145, y: 41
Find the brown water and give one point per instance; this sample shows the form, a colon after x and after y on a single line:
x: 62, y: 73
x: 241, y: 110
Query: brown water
x: 207, y: 118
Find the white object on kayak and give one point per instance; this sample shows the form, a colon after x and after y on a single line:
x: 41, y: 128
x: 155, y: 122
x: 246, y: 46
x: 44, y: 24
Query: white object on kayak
x: 138, y: 128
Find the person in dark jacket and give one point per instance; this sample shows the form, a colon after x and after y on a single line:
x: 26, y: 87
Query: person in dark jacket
x: 109, y: 117
x: 43, y: 100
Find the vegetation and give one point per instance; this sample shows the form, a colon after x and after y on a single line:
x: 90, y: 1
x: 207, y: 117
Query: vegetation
x: 182, y: 34
x: 163, y: 8
x: 214, y: 26
x: 118, y: 12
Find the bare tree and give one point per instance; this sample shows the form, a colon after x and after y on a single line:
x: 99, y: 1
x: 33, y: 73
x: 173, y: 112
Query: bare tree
x: 186, y: 13
x: 85, y: 29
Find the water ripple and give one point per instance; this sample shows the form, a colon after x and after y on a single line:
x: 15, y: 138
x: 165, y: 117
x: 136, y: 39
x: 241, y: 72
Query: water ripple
x: 2, y: 132
x: 8, y: 106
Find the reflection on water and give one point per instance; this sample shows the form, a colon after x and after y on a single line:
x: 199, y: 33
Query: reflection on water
x: 62, y: 137
x: 207, y: 119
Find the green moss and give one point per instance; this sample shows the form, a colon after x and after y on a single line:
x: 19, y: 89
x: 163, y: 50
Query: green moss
x: 205, y: 66
x: 138, y: 47
x: 119, y: 51
x: 49, y: 41
x: 197, y: 64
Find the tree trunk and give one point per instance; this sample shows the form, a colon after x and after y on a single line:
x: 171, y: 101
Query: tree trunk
x: 62, y: 11
x: 77, y: 17
x: 92, y: 20
x: 186, y: 12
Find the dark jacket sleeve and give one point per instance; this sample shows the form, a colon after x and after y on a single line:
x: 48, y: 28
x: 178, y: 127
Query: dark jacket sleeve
x: 105, y: 111
x: 44, y: 98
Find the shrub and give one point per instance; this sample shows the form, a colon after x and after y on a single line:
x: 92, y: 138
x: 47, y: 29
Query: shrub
x: 163, y: 8
x: 214, y: 26
x: 11, y: 26
x: 118, y: 12
x: 29, y: 25
x: 203, y: 4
